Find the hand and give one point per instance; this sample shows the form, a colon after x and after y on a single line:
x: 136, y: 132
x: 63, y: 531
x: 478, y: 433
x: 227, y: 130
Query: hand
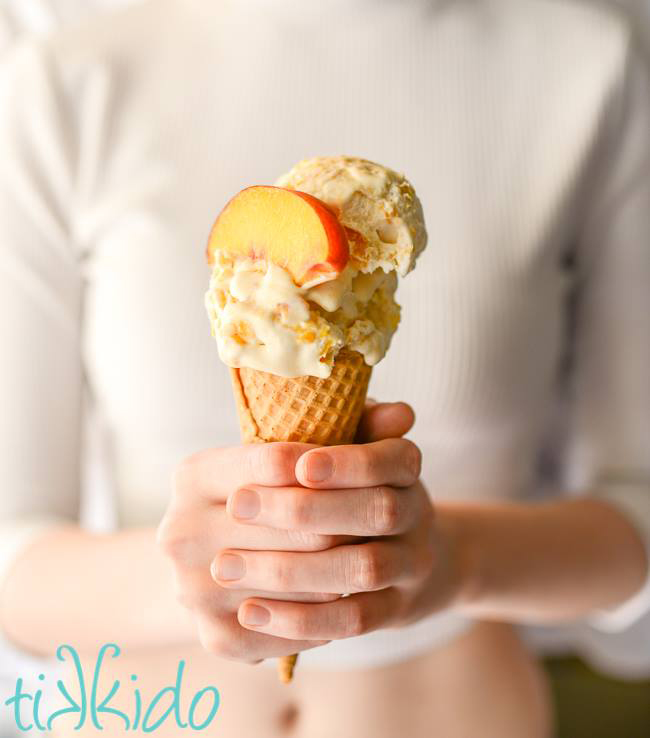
x: 196, y: 525
x: 392, y: 560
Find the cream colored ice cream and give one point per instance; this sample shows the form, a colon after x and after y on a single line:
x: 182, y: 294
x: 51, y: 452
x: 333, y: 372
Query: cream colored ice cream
x: 370, y: 200
x: 262, y: 320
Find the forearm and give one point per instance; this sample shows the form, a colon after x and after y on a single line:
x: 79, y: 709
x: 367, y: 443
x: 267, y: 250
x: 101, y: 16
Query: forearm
x: 83, y: 589
x: 543, y: 562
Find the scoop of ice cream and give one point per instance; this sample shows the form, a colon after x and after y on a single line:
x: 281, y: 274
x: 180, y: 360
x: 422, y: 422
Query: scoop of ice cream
x: 261, y: 319
x: 377, y: 206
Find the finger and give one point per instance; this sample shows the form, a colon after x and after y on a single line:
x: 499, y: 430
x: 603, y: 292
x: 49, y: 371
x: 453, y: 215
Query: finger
x: 190, y: 547
x: 264, y: 591
x: 214, y: 473
x: 368, y: 511
x: 344, y: 569
x: 229, y: 640
x: 197, y: 591
x: 385, y: 420
x: 393, y: 461
x: 344, y: 618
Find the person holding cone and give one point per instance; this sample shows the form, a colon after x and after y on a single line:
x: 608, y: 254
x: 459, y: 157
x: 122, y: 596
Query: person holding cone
x: 502, y: 478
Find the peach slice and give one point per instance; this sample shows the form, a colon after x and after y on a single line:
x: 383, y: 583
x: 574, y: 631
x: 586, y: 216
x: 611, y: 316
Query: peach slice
x: 290, y: 228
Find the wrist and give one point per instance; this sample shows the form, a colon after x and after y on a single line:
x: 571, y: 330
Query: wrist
x: 463, y: 552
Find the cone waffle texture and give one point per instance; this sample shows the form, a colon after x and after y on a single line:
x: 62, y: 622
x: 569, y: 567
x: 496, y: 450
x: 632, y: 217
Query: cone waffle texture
x: 302, y: 409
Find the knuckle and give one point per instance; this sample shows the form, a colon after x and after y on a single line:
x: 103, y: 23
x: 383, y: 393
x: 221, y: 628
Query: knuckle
x: 219, y: 640
x: 412, y: 460
x: 298, y: 511
x: 185, y: 473
x: 173, y: 541
x: 385, y: 510
x: 211, y: 643
x: 278, y: 574
x: 356, y: 619
x: 312, y: 542
x: 213, y: 639
x: 366, y: 460
x: 192, y: 592
x: 369, y: 570
x: 180, y: 477
x: 164, y: 534
x: 231, y: 649
x: 277, y: 461
x: 301, y: 624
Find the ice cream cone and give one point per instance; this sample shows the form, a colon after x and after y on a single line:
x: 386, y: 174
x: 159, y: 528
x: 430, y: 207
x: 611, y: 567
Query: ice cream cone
x: 302, y: 409
x: 302, y: 296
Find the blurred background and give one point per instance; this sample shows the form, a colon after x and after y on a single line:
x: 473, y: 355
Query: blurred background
x: 592, y: 699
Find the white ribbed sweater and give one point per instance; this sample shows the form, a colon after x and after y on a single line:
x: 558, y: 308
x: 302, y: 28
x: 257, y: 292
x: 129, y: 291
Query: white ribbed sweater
x: 525, y: 127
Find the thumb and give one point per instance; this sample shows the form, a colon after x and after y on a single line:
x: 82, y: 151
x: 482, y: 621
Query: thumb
x: 382, y: 420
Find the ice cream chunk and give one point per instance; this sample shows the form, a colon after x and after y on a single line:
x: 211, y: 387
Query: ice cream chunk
x: 371, y: 201
x: 262, y: 319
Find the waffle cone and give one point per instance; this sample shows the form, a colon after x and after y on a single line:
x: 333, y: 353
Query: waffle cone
x: 302, y: 409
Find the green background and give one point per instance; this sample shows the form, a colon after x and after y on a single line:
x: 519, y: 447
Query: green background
x: 592, y: 706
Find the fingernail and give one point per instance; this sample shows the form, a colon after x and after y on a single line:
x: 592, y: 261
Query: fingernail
x: 245, y: 504
x: 255, y: 615
x: 230, y: 567
x: 318, y: 467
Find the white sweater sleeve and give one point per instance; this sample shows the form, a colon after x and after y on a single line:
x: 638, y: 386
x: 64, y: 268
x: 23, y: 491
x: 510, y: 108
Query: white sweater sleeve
x: 40, y: 308
x: 609, y: 451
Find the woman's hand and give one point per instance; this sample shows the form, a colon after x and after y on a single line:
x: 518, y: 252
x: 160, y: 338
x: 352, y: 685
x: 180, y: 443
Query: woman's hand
x: 395, y: 567
x: 390, y: 557
x: 196, y: 526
